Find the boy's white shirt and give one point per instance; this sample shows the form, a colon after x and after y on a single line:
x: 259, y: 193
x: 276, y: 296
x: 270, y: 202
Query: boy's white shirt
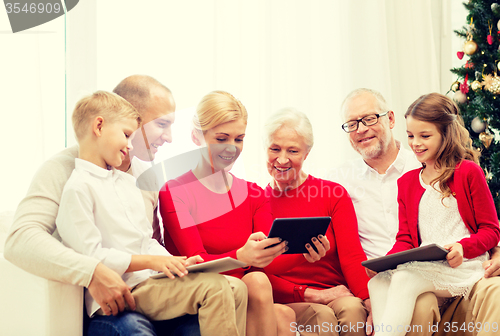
x: 102, y: 214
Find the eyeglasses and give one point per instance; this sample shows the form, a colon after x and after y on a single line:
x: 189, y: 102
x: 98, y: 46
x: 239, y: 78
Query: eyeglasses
x: 368, y: 120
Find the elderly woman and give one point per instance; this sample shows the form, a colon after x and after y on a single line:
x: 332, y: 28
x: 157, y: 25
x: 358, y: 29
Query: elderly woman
x: 212, y: 213
x: 334, y: 289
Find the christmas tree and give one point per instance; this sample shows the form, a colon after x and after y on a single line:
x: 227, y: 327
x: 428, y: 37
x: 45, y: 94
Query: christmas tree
x: 477, y: 89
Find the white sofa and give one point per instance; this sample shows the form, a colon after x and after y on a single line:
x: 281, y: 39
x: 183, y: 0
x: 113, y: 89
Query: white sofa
x: 30, y: 305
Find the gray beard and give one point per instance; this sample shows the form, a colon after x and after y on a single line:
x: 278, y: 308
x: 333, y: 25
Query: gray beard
x: 371, y: 153
x: 374, y: 152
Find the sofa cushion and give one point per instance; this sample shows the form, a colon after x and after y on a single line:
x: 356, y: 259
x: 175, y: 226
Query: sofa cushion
x: 6, y: 218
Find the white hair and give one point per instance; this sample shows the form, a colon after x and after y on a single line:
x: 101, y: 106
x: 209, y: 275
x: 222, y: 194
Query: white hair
x: 382, y: 104
x: 292, y: 118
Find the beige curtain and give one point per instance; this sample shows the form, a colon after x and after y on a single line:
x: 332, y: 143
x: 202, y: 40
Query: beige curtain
x: 270, y: 54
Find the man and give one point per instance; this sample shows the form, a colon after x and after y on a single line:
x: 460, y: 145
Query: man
x: 33, y: 242
x: 372, y: 183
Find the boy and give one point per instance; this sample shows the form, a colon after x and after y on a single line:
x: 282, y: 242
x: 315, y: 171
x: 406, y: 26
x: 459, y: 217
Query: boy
x: 102, y: 214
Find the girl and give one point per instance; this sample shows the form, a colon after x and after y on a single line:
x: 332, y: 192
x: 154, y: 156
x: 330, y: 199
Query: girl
x: 446, y: 202
x: 210, y: 212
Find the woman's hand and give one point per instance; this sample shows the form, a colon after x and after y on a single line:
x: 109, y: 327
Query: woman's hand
x: 322, y: 245
x: 254, y: 252
x: 370, y: 273
x: 325, y: 296
x: 456, y: 255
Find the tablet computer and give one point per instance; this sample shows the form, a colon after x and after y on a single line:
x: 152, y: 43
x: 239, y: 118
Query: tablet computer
x: 216, y: 266
x: 430, y: 252
x: 298, y: 231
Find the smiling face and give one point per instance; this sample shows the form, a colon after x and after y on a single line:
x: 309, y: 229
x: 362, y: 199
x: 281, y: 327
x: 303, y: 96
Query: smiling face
x: 424, y: 139
x: 156, y: 128
x: 371, y: 142
x: 224, y: 144
x: 285, y: 156
x: 115, y: 142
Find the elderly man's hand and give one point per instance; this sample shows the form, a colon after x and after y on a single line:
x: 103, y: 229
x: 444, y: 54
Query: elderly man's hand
x: 110, y: 291
x: 322, y: 245
x: 492, y: 266
x: 369, y: 318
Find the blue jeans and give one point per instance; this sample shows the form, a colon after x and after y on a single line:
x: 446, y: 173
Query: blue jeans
x: 130, y: 323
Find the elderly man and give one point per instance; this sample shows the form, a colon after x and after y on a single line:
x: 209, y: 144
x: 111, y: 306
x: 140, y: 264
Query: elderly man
x: 372, y: 183
x: 33, y: 242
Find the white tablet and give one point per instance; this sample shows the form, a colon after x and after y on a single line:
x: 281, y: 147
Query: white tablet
x: 215, y: 266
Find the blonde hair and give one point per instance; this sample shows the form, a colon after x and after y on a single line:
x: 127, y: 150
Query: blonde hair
x: 292, y: 118
x: 456, y: 145
x: 218, y: 107
x: 109, y: 106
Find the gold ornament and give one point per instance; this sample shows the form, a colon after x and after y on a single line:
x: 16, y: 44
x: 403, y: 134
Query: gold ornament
x: 475, y: 85
x: 492, y: 83
x: 487, y: 81
x: 498, y: 65
x: 470, y: 47
x: 455, y: 86
x: 486, y: 139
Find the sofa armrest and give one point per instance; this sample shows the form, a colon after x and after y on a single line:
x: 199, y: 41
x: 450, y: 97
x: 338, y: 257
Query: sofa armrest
x: 31, y: 305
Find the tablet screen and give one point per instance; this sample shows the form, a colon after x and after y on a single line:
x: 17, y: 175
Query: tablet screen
x: 299, y: 231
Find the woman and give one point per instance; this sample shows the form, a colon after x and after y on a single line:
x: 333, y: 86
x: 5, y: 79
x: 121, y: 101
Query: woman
x: 334, y: 289
x: 211, y: 213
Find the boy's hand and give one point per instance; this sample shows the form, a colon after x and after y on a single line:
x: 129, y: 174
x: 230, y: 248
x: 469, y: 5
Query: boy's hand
x: 193, y: 260
x: 168, y: 265
x: 456, y: 255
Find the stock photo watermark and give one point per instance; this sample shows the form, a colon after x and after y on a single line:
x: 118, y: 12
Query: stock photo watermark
x: 360, y: 326
x: 24, y: 15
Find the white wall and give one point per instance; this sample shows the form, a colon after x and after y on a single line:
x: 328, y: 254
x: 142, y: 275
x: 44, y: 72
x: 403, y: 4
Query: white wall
x: 269, y: 54
x: 272, y: 54
x: 32, y: 84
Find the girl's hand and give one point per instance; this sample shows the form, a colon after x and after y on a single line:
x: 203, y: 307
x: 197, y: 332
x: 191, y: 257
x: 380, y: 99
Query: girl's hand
x: 168, y: 265
x: 370, y: 273
x: 193, y: 260
x: 456, y: 255
x: 254, y: 252
x: 322, y: 245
